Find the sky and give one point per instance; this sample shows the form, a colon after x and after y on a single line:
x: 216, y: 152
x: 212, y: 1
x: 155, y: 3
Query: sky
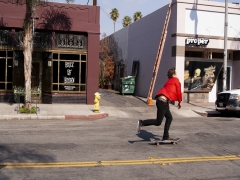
x: 125, y: 8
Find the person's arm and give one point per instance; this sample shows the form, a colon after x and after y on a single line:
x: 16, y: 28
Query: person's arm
x: 179, y: 93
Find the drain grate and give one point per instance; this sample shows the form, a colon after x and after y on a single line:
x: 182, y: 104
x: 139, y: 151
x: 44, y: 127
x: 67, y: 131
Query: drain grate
x: 202, y: 134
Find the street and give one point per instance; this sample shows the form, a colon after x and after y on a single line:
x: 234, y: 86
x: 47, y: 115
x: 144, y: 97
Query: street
x: 91, y: 149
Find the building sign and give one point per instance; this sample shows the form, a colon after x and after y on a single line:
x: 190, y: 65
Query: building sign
x: 200, y: 75
x: 197, y: 42
x: 69, y: 79
x: 73, y: 41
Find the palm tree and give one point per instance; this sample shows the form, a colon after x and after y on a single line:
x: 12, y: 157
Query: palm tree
x: 126, y: 21
x: 114, y: 16
x: 28, y: 42
x: 137, y: 15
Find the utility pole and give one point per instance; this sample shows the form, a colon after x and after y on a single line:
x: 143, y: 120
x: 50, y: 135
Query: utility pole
x: 225, y: 47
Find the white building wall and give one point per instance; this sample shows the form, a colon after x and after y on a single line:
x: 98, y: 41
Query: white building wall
x: 140, y: 40
x: 211, y: 23
x: 206, y: 18
x: 121, y: 42
x: 144, y: 39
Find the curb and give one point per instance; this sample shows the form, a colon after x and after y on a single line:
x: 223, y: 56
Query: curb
x: 94, y: 116
x: 55, y: 117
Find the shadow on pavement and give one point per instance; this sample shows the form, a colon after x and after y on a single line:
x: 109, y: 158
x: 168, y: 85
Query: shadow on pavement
x: 229, y: 114
x: 200, y: 105
x: 13, y: 153
x: 145, y: 136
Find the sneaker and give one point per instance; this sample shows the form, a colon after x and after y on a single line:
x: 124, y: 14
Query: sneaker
x: 165, y: 138
x: 139, y: 126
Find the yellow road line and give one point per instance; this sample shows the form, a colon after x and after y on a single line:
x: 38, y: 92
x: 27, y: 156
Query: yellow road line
x: 151, y: 160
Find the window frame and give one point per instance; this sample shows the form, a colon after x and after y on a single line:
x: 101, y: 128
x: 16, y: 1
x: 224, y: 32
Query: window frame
x: 6, y: 82
x: 81, y: 86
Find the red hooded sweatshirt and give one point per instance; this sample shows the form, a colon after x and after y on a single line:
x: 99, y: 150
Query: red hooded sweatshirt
x: 171, y: 90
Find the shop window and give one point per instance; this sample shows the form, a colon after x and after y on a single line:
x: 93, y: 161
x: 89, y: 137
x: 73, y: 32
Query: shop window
x: 236, y: 55
x: 2, y: 86
x: 2, y: 70
x: 10, y: 53
x: 69, y: 73
x: 2, y: 53
x: 83, y: 73
x: 201, y: 75
x: 55, y: 87
x: 55, y: 56
x: 55, y: 71
x: 9, y: 70
x: 216, y: 55
x: 6, y: 71
x: 69, y: 56
x: 197, y: 54
x: 84, y: 57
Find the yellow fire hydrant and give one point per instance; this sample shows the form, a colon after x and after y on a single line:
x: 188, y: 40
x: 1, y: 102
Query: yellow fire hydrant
x: 96, y: 102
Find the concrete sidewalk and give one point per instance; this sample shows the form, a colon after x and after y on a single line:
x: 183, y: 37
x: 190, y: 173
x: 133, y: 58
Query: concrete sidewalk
x: 83, y: 111
x: 52, y: 111
x: 189, y: 109
x: 202, y: 109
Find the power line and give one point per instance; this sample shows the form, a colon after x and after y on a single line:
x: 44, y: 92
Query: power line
x: 106, y: 13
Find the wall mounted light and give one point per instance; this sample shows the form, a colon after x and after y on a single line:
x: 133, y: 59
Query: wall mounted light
x: 49, y: 63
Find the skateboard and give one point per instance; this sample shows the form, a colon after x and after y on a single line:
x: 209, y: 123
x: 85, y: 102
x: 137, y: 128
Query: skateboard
x: 159, y: 142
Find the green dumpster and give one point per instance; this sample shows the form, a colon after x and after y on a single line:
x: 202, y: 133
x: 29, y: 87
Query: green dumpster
x: 127, y: 85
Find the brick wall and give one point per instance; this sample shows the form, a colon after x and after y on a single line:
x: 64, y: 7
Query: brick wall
x: 50, y: 98
x: 195, y: 97
x: 6, y: 97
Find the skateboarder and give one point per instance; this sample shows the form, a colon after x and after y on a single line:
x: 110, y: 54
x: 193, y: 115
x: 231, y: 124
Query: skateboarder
x: 170, y: 92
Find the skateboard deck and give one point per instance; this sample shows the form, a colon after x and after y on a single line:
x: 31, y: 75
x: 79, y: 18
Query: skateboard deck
x: 159, y: 142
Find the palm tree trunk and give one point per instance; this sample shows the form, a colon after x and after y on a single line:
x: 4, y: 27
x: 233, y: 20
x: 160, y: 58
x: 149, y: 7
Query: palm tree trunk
x: 28, y: 49
x: 114, y: 26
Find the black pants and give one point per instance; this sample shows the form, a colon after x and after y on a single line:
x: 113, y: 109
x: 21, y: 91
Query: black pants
x: 162, y: 111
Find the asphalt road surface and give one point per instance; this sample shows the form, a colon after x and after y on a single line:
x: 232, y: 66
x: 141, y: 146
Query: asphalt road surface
x: 110, y: 148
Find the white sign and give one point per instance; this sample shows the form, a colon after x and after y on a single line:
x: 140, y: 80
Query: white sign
x: 69, y: 87
x: 69, y: 72
x: 69, y: 64
x: 197, y: 41
x: 69, y: 79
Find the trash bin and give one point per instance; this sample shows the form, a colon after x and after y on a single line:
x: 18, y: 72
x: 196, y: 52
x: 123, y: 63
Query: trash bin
x: 127, y: 85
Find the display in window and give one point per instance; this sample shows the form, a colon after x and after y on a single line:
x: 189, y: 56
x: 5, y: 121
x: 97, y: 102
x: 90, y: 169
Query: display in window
x: 69, y: 73
x: 200, y: 75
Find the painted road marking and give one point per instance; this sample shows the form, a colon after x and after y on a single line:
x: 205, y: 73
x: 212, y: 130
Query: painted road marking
x: 151, y: 160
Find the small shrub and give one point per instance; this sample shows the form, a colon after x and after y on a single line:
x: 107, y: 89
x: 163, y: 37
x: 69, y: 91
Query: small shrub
x: 26, y: 110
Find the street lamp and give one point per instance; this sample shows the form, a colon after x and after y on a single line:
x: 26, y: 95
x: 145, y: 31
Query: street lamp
x: 225, y: 47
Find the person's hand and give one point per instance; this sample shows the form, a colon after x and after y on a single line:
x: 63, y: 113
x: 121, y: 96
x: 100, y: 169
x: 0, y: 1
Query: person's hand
x: 179, y: 105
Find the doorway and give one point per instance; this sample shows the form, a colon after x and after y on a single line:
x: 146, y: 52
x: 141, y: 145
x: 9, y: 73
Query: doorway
x: 220, y: 80
x: 35, y: 75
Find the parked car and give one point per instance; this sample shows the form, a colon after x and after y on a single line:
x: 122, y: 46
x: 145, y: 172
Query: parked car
x: 228, y: 101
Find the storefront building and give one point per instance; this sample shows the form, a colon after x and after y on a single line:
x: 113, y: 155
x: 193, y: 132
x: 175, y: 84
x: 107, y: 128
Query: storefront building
x: 194, y: 45
x: 66, y: 51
